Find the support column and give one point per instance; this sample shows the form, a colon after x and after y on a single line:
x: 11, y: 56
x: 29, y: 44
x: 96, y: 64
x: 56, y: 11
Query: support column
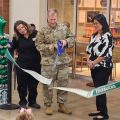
x: 43, y: 13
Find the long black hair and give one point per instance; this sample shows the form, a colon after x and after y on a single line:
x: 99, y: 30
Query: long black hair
x: 17, y: 23
x: 102, y: 20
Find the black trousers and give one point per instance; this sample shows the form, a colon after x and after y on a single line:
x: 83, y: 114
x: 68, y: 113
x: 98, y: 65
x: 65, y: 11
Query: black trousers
x: 27, y: 86
x: 100, y: 76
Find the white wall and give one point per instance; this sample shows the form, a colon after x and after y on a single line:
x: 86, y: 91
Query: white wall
x: 27, y: 10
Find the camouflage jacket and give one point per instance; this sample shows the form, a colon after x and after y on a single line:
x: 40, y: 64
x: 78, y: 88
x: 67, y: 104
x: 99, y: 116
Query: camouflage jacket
x: 47, y: 39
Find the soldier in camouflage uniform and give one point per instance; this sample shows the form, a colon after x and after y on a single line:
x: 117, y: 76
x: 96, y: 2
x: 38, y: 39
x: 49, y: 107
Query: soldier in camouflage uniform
x: 46, y: 43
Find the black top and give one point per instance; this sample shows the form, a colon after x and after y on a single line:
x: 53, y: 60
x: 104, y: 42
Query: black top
x: 27, y: 52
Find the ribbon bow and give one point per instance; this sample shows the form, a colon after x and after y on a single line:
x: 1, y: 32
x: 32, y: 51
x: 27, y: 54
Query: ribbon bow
x: 29, y: 111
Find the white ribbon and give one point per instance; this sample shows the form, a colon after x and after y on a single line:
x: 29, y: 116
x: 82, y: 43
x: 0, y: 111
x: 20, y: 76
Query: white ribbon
x: 37, y: 76
x: 92, y: 93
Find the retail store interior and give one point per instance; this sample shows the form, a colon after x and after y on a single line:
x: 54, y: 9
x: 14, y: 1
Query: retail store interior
x: 79, y: 14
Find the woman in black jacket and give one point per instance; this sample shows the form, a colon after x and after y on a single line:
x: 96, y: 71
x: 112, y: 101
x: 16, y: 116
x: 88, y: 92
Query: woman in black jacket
x: 28, y: 58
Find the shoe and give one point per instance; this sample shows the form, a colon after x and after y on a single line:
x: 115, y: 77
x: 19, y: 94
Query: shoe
x: 49, y: 110
x: 35, y: 105
x: 90, y: 84
x: 63, y: 109
x: 100, y: 118
x: 94, y: 114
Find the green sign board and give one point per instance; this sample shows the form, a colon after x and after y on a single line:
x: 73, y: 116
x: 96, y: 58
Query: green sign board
x: 105, y: 88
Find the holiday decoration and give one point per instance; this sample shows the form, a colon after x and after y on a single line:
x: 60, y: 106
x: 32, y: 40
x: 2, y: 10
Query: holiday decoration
x: 3, y: 63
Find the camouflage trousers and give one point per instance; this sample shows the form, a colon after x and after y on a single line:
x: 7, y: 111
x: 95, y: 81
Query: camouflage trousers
x: 60, y: 78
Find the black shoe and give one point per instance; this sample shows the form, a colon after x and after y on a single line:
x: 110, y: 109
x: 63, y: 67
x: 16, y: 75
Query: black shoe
x: 100, y: 118
x: 35, y: 105
x: 90, y: 84
x: 94, y: 114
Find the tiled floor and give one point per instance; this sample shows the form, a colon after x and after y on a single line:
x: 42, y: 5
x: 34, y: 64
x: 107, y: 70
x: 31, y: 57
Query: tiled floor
x: 80, y: 106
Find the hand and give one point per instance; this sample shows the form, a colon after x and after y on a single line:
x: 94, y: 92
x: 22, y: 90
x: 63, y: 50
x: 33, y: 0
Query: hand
x: 15, y: 57
x: 64, y: 43
x: 15, y: 54
x: 8, y: 45
x: 51, y: 47
x: 90, y: 64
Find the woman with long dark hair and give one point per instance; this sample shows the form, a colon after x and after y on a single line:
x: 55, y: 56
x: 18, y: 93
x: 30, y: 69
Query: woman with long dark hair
x: 28, y: 58
x: 100, y: 62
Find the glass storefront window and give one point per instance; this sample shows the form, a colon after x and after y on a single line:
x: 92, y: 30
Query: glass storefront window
x: 115, y: 29
x: 115, y: 20
x: 86, y: 10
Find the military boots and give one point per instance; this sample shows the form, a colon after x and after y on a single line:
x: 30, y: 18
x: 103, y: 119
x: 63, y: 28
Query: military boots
x: 63, y: 109
x: 49, y: 110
